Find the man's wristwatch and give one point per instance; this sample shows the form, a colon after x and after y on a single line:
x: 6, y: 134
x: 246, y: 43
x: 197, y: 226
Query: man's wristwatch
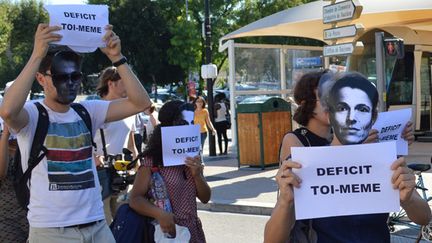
x: 122, y: 61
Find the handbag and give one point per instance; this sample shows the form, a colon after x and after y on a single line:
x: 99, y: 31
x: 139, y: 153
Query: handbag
x: 228, y: 119
x: 130, y: 227
x: 182, y: 235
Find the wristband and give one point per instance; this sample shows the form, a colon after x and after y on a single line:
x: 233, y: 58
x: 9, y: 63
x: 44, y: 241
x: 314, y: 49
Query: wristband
x: 122, y: 60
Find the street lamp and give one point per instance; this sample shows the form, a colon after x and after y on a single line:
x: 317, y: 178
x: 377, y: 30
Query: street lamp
x: 207, y: 30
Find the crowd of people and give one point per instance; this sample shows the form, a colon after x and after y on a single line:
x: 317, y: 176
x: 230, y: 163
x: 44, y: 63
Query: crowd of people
x: 71, y: 194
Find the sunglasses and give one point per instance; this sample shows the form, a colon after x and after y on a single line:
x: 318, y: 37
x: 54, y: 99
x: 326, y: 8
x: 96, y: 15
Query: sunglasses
x: 64, y: 77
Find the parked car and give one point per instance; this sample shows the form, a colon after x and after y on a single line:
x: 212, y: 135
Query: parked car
x: 37, y: 96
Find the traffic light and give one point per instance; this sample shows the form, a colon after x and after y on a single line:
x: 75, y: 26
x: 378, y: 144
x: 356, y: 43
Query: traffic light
x: 394, y: 47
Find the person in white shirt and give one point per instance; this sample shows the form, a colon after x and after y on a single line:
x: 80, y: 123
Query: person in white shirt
x: 65, y: 199
x: 221, y: 122
x: 118, y: 134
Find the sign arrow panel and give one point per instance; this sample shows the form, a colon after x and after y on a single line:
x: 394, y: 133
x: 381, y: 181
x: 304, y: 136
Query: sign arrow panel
x: 342, y: 32
x: 345, y: 10
x: 338, y: 50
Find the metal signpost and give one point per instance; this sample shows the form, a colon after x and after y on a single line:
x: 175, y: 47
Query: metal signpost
x: 336, y: 12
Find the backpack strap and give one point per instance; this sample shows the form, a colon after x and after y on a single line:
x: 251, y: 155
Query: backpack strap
x: 38, y: 141
x: 102, y: 134
x: 85, y: 116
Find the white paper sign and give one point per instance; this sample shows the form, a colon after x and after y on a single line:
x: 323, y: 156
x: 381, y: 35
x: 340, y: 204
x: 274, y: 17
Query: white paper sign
x: 390, y: 125
x: 83, y: 26
x: 345, y: 180
x: 179, y: 142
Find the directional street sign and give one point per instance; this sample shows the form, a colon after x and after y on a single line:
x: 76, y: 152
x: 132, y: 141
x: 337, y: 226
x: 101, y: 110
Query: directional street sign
x: 340, y: 11
x: 342, y: 32
x: 338, y: 50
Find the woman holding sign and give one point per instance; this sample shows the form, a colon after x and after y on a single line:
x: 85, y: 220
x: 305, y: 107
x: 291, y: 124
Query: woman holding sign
x: 282, y: 225
x: 184, y: 183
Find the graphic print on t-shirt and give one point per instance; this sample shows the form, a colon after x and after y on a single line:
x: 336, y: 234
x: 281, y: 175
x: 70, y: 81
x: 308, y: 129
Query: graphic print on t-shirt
x: 69, y: 157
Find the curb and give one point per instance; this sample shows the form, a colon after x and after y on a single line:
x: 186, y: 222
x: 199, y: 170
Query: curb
x: 241, y: 207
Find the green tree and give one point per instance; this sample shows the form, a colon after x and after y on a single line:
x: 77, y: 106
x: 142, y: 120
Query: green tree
x: 21, y: 20
x: 226, y: 16
x: 145, y: 35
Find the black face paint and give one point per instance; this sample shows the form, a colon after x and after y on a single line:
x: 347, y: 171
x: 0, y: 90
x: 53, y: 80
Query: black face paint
x: 66, y: 78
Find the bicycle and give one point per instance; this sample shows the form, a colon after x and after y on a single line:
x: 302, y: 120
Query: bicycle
x: 400, y: 217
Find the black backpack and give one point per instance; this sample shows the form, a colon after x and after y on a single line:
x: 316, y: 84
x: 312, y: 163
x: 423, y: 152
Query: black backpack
x: 38, y: 151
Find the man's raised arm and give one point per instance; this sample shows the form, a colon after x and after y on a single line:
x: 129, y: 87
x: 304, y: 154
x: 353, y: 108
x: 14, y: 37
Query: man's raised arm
x: 137, y: 98
x: 11, y: 109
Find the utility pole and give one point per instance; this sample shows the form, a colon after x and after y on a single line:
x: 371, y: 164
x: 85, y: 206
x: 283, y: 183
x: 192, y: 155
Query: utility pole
x: 207, y: 29
x: 380, y: 71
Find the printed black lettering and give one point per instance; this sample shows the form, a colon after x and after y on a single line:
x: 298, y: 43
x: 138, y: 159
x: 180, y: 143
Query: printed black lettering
x: 66, y: 14
x: 81, y: 28
x: 324, y: 190
x: 320, y: 171
x: 367, y: 167
x: 376, y: 187
x: 330, y: 171
x: 314, y: 188
x: 365, y: 187
x: 355, y: 188
x: 353, y: 170
x: 345, y: 188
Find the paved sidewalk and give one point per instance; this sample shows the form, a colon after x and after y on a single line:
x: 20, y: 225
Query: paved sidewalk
x: 254, y: 191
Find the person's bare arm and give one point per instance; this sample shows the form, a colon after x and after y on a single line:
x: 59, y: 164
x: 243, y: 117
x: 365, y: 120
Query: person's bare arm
x: 403, y: 179
x: 282, y: 219
x: 11, y: 109
x: 209, y: 124
x: 131, y: 145
x: 4, y: 153
x: 197, y: 167
x: 141, y: 204
x: 289, y: 140
x: 408, y: 133
x: 137, y: 98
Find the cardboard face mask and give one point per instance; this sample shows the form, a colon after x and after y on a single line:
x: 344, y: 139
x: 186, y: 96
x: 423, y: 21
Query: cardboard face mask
x: 351, y: 103
x: 66, y: 78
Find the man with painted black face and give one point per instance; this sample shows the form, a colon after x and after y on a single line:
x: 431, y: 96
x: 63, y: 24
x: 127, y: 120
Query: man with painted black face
x: 352, y: 104
x: 65, y: 199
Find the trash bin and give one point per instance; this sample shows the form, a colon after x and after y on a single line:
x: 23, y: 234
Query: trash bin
x: 261, y: 125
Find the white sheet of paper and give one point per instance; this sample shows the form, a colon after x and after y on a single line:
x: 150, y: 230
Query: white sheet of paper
x: 326, y: 190
x: 83, y: 26
x: 390, y: 125
x: 179, y: 142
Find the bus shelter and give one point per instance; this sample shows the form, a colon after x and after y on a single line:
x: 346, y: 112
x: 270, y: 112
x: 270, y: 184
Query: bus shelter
x: 408, y: 80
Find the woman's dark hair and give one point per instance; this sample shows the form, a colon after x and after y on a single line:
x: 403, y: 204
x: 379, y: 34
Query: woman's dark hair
x: 305, y: 97
x: 170, y: 114
x: 108, y: 74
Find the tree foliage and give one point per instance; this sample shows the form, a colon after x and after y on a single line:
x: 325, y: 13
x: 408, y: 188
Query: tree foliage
x: 161, y: 44
x: 17, y: 28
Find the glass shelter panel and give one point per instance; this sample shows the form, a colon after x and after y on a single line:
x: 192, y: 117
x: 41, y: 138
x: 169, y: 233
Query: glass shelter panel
x: 425, y: 91
x: 299, y: 62
x: 257, y: 69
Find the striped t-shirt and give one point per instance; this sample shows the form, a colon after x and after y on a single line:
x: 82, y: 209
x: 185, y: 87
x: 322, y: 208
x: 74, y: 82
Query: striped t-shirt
x: 64, y: 189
